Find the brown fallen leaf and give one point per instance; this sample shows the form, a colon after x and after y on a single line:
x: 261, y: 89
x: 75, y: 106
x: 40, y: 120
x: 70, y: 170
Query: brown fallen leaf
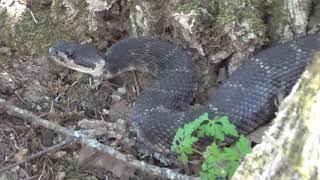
x: 21, y: 154
x: 60, y: 154
x: 120, y: 110
x: 101, y: 164
x: 95, y: 128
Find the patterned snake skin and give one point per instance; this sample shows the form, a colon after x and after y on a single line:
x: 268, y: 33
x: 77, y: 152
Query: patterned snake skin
x: 249, y: 97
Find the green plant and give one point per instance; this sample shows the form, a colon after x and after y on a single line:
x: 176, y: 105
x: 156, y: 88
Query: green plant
x: 218, y: 161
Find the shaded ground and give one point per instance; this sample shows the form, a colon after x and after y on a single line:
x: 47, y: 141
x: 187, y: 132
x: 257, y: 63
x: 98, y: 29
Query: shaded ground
x: 99, y: 107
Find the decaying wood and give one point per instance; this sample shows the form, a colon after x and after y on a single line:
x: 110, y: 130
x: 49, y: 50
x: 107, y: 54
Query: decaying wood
x: 92, y: 143
x: 291, y: 147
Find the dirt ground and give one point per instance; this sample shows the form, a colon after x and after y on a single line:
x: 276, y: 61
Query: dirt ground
x: 99, y: 107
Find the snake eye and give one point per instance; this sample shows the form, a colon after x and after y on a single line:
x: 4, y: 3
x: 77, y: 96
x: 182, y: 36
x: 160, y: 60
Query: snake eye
x: 53, y: 51
x: 70, y: 54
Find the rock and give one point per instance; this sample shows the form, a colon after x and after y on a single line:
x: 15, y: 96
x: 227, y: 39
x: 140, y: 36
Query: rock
x: 5, y: 51
x: 8, y: 84
x: 32, y: 93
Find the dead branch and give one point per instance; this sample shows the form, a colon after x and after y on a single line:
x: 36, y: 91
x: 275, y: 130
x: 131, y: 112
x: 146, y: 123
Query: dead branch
x: 33, y: 156
x: 93, y: 143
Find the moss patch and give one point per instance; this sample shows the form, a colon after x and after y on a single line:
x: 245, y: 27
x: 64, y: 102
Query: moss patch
x: 279, y: 18
x: 188, y: 6
x: 29, y: 37
x: 201, y: 12
x: 244, y: 12
x: 1, y: 60
x: 235, y: 11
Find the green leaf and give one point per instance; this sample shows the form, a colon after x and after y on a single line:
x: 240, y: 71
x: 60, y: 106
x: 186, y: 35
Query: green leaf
x: 243, y: 146
x: 200, y: 126
x: 218, y: 163
x: 211, y: 129
x: 184, y: 140
x: 177, y: 140
x: 187, y: 144
x: 206, y: 165
x: 218, y: 133
x: 203, y: 117
x: 231, y: 154
x: 232, y: 167
x: 213, y: 173
x: 208, y: 175
x: 214, y: 151
x: 227, y: 127
x: 183, y: 158
x: 203, y: 130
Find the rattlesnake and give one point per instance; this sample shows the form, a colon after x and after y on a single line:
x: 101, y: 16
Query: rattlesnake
x: 248, y: 97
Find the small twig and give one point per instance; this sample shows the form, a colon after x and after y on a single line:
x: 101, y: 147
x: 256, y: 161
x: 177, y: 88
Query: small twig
x: 43, y: 172
x: 136, y: 83
x: 74, y: 83
x: 68, y: 100
x: 21, y: 75
x: 32, y: 15
x: 52, y: 110
x: 16, y: 93
x: 77, y: 11
x: 25, y: 173
x: 78, y: 136
x: 111, y: 5
x: 33, y: 156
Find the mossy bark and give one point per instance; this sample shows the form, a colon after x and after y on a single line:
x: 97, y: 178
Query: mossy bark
x: 291, y: 148
x: 288, y: 18
x: 30, y: 35
x: 32, y: 28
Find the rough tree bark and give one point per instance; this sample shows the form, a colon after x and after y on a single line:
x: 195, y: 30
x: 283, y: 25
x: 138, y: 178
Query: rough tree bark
x: 291, y: 147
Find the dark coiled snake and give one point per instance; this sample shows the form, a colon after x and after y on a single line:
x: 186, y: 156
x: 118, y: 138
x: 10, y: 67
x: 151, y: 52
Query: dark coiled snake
x: 248, y: 97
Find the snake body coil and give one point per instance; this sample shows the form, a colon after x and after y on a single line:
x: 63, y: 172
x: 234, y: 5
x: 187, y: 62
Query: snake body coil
x: 248, y: 97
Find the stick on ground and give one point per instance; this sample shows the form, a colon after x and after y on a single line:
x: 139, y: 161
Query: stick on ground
x: 93, y: 143
x: 33, y: 156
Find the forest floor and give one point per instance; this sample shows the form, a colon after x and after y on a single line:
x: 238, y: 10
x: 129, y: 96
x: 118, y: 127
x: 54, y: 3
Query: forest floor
x: 101, y: 108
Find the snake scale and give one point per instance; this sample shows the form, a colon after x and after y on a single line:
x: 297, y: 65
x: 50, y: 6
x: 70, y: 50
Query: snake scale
x: 248, y: 97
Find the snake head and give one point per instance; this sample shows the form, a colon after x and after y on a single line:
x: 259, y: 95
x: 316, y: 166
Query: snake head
x: 80, y: 57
